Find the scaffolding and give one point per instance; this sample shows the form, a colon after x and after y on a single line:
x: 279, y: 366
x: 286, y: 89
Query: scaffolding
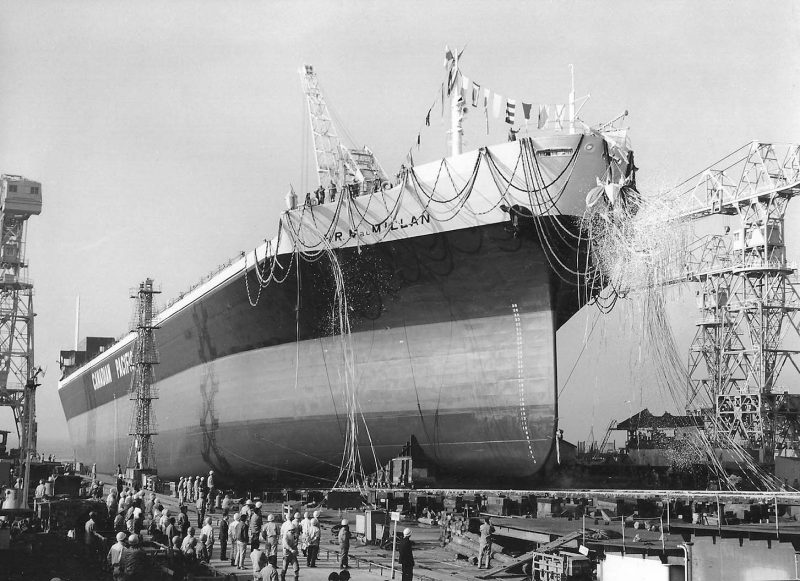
x: 20, y: 199
x: 748, y: 299
x: 143, y: 427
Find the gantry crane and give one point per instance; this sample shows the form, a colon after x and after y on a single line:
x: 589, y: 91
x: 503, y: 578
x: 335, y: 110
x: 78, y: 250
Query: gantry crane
x: 748, y: 299
x: 20, y: 199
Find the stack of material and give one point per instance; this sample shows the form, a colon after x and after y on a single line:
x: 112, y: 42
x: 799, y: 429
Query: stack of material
x: 468, y: 545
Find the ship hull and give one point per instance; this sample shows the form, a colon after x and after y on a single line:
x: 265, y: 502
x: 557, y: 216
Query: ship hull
x: 452, y: 342
x: 432, y: 308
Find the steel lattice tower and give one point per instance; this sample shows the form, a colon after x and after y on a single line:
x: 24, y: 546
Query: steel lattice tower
x: 19, y: 200
x: 748, y: 300
x: 143, y: 389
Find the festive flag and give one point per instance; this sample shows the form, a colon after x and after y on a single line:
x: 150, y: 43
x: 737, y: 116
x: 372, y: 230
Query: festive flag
x: 560, y: 114
x: 526, y: 110
x: 448, y: 55
x: 476, y: 92
x: 418, y: 139
x: 428, y: 117
x: 542, y: 116
x: 498, y: 101
x: 465, y: 86
x: 511, y: 106
x: 486, y: 93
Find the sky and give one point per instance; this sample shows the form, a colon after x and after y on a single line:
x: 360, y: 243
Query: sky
x: 165, y: 134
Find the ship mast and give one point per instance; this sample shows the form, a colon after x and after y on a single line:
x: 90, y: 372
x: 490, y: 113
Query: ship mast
x: 456, y: 109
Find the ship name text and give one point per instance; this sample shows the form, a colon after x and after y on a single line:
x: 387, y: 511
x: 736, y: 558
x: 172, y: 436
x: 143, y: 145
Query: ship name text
x: 397, y: 224
x: 123, y: 364
x: 101, y: 377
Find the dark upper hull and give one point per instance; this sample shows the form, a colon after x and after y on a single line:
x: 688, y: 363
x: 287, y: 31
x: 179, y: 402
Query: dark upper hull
x: 435, y: 340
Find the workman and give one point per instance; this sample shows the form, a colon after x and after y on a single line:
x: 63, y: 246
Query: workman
x: 114, y: 556
x: 187, y: 540
x: 406, y: 556
x: 302, y: 543
x: 344, y: 544
x: 133, y: 562
x: 255, y: 528
x: 314, y: 536
x: 38, y: 495
x: 89, y: 537
x: 270, y: 570
x: 289, y: 545
x: 208, y: 531
x: 485, y: 546
x: 269, y: 532
x: 240, y: 536
x: 222, y: 535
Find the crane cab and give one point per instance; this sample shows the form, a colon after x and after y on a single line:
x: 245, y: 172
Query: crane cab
x: 19, y: 196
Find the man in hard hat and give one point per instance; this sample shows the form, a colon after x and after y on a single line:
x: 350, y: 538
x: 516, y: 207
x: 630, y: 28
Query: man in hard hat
x: 314, y: 536
x: 269, y: 532
x: 133, y: 562
x: 114, y: 556
x: 302, y: 542
x: 290, y: 551
x: 405, y: 556
x: 255, y: 527
x: 344, y: 544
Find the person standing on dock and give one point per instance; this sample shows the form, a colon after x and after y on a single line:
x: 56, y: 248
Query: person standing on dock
x: 133, y: 562
x: 270, y: 570
x: 240, y: 534
x: 114, y: 556
x: 223, y: 537
x: 255, y: 527
x: 305, y: 524
x: 183, y: 521
x: 208, y: 531
x: 269, y: 533
x: 200, y: 505
x: 485, y: 546
x: 289, y: 544
x: 314, y: 537
x: 344, y: 544
x: 406, y: 556
x: 120, y: 479
x: 89, y: 537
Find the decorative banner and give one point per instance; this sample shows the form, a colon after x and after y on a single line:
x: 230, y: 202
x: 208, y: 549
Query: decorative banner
x: 511, y: 106
x: 498, y: 101
x: 559, y: 113
x: 476, y: 91
x: 542, y: 116
x: 428, y: 117
x: 486, y: 94
x: 526, y: 110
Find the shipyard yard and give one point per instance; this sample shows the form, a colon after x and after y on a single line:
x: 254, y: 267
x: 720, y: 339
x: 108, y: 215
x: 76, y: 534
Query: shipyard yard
x: 429, y: 292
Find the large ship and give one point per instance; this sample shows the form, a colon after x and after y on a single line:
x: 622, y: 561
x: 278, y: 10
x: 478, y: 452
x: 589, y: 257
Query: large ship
x: 418, y: 307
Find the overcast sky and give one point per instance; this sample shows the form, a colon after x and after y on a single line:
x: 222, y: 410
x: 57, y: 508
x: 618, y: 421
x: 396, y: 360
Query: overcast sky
x: 165, y: 134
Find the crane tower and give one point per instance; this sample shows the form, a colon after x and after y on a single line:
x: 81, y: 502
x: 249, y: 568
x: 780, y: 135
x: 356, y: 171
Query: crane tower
x: 142, y: 456
x: 20, y: 199
x: 748, y: 299
x: 338, y: 166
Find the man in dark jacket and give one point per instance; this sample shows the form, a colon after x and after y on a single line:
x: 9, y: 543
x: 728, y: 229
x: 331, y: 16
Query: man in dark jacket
x: 223, y: 537
x: 133, y: 563
x: 406, y: 557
